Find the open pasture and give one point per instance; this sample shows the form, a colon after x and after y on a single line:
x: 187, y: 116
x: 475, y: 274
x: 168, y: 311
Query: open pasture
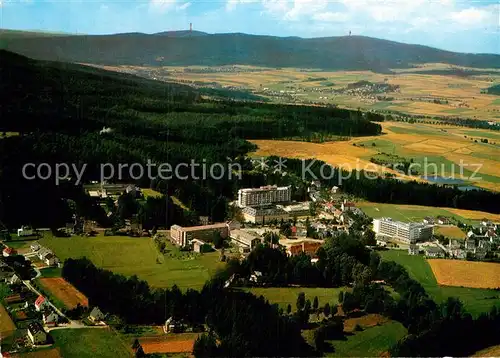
x: 476, y: 300
x: 466, y: 273
x: 372, y: 342
x: 90, y: 343
x: 138, y: 256
x: 284, y: 296
x: 64, y: 292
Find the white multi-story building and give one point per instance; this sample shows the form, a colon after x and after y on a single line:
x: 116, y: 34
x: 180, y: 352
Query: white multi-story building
x: 407, y: 232
x: 264, y: 195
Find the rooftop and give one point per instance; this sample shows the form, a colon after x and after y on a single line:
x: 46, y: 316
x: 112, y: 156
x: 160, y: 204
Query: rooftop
x: 200, y: 227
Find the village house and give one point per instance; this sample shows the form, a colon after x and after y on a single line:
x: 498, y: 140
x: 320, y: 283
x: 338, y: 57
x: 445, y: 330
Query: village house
x: 96, y: 315
x: 413, y: 249
x: 13, y: 299
x: 256, y: 277
x: 480, y: 253
x: 433, y: 252
x: 25, y: 231
x: 200, y: 246
x: 51, y: 259
x: 245, y: 240
x: 308, y: 247
x: 40, y: 303
x: 35, y: 247
x: 443, y: 220
x: 459, y: 254
x: 173, y: 326
x: 429, y: 220
x: 347, y: 206
x: 9, y: 251
x: 470, y: 245
x: 454, y: 244
x: 36, y: 333
x: 14, y: 280
x: 50, y: 318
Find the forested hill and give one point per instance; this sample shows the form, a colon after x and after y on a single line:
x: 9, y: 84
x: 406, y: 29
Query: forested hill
x: 60, y: 109
x: 197, y: 48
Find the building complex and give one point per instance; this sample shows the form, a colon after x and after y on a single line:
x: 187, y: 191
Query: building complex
x: 406, y: 232
x: 264, y: 195
x: 182, y: 235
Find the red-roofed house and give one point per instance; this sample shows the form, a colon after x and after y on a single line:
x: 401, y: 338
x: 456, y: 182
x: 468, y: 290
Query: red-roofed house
x: 308, y: 247
x: 9, y: 251
x: 347, y: 206
x: 40, y: 303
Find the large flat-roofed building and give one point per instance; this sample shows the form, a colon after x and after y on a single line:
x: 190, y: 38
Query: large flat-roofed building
x: 182, y: 235
x: 246, y: 239
x: 407, y: 232
x: 264, y: 215
x: 264, y: 195
x: 297, y: 209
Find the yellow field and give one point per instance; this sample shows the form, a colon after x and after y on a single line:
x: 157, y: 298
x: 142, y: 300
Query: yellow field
x: 488, y: 352
x: 7, y: 327
x: 475, y: 215
x: 466, y: 273
x: 446, y: 146
x: 450, y: 231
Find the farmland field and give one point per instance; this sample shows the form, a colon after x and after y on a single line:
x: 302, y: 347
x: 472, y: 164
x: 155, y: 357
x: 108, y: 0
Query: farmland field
x: 450, y: 231
x: 138, y: 256
x: 488, y: 352
x: 407, y: 213
x: 476, y: 300
x: 90, y: 343
x: 177, y: 343
x: 419, y: 93
x: 435, y: 150
x: 466, y: 273
x: 64, y: 292
x: 6, y: 325
x: 371, y: 342
x: 288, y: 295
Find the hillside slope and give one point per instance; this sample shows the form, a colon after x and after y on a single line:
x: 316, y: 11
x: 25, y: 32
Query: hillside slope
x: 181, y: 48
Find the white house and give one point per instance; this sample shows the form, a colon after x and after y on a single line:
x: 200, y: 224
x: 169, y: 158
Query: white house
x: 51, y: 259
x: 413, y: 249
x: 50, y: 318
x: 25, y: 231
x: 36, y: 333
x: 96, y: 315
x: 35, y: 247
x: 433, y: 252
x: 14, y: 280
x: 40, y: 303
x: 256, y: 276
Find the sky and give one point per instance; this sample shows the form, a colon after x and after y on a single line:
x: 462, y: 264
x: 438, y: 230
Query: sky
x: 455, y: 25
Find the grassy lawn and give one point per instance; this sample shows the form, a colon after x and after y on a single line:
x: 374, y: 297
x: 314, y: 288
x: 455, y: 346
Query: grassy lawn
x: 288, y: 295
x: 371, y: 342
x: 90, y: 342
x: 6, y: 324
x: 138, y: 256
x: 50, y: 272
x: 475, y: 300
